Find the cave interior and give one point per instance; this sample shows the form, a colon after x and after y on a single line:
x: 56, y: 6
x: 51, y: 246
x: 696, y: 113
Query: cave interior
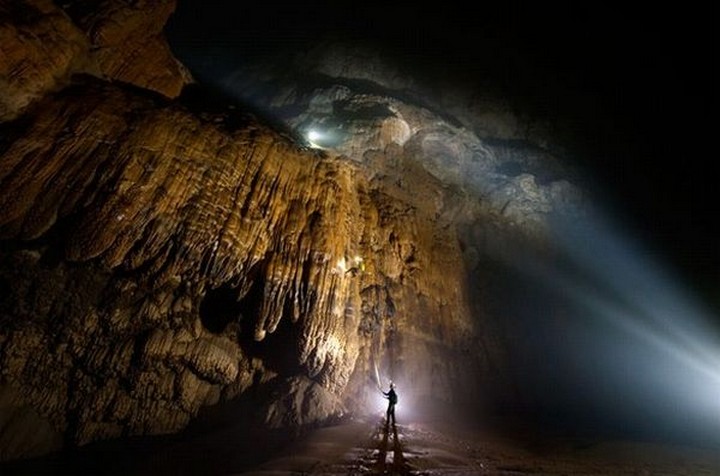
x: 227, y: 230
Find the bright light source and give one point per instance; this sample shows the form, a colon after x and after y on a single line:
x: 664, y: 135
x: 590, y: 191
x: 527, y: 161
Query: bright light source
x: 323, y: 137
x: 379, y: 403
x: 313, y: 135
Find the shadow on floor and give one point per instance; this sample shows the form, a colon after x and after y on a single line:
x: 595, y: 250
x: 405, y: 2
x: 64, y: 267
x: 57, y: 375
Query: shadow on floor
x: 397, y: 465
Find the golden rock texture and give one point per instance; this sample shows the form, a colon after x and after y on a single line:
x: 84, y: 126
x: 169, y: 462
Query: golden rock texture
x: 128, y: 45
x: 41, y: 47
x: 159, y: 260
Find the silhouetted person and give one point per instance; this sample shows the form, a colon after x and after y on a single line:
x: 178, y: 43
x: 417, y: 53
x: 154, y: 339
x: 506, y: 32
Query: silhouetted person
x: 392, y: 400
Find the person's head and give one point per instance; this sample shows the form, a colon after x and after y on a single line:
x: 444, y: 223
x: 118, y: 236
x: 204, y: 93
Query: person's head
x: 392, y: 385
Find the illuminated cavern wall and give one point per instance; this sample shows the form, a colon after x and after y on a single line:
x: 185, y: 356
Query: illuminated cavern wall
x: 159, y: 257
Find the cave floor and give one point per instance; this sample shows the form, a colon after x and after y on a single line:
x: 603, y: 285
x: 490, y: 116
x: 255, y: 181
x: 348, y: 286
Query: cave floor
x: 369, y: 447
x: 432, y: 449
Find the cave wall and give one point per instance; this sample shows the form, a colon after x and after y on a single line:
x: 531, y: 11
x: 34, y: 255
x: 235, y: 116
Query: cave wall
x: 43, y: 45
x: 158, y: 258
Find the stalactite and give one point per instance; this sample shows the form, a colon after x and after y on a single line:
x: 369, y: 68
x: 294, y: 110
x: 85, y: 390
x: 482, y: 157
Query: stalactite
x: 159, y: 258
x: 158, y: 207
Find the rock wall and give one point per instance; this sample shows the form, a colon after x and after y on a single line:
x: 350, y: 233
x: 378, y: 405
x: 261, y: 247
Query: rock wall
x: 43, y: 45
x: 158, y: 261
x: 161, y: 255
x: 358, y: 101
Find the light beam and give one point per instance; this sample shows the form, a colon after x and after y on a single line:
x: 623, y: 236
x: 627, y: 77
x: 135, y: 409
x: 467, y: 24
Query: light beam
x: 646, y: 347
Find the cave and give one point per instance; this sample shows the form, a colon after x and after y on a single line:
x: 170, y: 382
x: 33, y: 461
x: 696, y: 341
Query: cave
x: 229, y: 230
x: 219, y: 308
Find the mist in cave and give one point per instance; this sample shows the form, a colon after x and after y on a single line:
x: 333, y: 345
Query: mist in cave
x: 610, y: 319
x: 227, y: 230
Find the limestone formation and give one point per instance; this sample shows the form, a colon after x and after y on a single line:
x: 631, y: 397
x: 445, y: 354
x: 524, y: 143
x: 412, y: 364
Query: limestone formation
x: 158, y: 258
x: 127, y: 43
x: 41, y: 47
x: 158, y: 214
x: 362, y: 103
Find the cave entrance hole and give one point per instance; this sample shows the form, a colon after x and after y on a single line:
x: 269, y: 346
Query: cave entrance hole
x: 279, y: 350
x: 219, y: 308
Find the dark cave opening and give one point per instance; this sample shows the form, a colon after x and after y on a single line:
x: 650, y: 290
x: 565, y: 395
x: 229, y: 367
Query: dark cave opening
x: 286, y: 336
x: 219, y: 308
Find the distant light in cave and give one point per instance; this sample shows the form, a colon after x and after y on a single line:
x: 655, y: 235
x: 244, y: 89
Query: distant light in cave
x: 323, y: 136
x: 316, y: 138
x: 313, y: 135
